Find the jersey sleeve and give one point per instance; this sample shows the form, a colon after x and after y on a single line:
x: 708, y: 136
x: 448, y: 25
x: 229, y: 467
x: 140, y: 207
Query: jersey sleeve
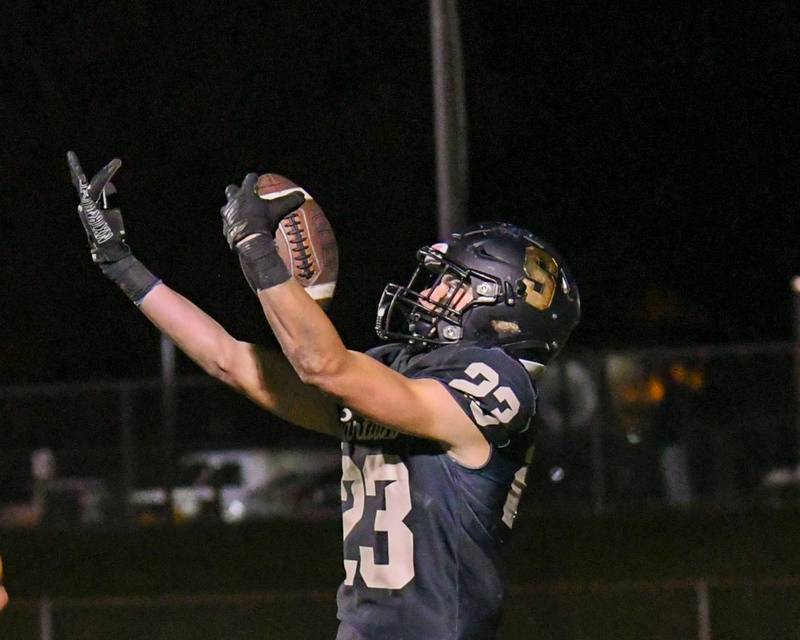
x: 493, y: 389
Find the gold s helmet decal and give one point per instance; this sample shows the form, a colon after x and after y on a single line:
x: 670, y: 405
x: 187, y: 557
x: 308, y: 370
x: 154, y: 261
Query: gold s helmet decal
x: 540, y: 285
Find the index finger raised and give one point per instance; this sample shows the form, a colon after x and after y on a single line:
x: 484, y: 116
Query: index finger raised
x: 76, y: 173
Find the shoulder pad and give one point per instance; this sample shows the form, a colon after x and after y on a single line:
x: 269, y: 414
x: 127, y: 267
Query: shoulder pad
x: 492, y: 388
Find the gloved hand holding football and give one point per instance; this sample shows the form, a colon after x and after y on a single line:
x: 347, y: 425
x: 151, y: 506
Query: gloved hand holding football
x: 271, y: 213
x: 305, y: 240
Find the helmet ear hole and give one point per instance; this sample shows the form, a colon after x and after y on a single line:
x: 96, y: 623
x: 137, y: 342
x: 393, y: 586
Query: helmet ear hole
x: 510, y: 294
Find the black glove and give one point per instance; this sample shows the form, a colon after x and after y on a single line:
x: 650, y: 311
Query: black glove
x: 249, y: 223
x: 104, y: 228
x: 246, y: 213
x: 106, y: 232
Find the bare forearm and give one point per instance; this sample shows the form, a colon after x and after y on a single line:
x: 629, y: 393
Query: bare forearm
x: 263, y: 376
x: 196, y: 333
x: 308, y: 338
x: 313, y: 347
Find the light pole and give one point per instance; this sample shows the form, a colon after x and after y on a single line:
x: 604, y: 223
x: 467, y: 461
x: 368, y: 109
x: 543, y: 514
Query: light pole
x: 449, y: 116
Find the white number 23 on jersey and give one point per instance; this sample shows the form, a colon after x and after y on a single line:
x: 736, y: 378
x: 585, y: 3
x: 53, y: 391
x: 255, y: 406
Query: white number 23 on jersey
x: 399, y: 570
x: 484, y: 381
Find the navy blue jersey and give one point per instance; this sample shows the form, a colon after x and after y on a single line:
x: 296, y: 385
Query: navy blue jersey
x: 421, y: 531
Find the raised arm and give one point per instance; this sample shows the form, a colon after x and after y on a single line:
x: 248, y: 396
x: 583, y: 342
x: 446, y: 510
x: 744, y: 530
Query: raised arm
x: 262, y: 375
x: 421, y: 407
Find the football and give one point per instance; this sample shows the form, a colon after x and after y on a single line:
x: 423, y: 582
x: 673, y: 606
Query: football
x: 305, y: 240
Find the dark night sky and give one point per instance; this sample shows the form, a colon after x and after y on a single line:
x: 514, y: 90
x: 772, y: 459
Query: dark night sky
x: 656, y: 148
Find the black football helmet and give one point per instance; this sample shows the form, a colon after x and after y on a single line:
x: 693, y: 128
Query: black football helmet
x: 523, y: 296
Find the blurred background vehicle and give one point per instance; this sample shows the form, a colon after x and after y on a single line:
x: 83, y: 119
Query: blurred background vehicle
x: 234, y: 485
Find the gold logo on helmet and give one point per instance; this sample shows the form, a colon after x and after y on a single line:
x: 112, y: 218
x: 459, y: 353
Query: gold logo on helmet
x: 540, y: 285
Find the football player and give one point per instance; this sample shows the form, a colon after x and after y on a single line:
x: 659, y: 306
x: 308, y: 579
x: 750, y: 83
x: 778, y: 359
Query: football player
x: 435, y: 425
x: 3, y: 592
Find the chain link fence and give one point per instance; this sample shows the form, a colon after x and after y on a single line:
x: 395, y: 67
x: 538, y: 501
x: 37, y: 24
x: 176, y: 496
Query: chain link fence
x: 621, y: 430
x: 705, y: 427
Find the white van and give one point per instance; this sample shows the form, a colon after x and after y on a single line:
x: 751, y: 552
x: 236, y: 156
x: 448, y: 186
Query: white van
x: 234, y: 485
